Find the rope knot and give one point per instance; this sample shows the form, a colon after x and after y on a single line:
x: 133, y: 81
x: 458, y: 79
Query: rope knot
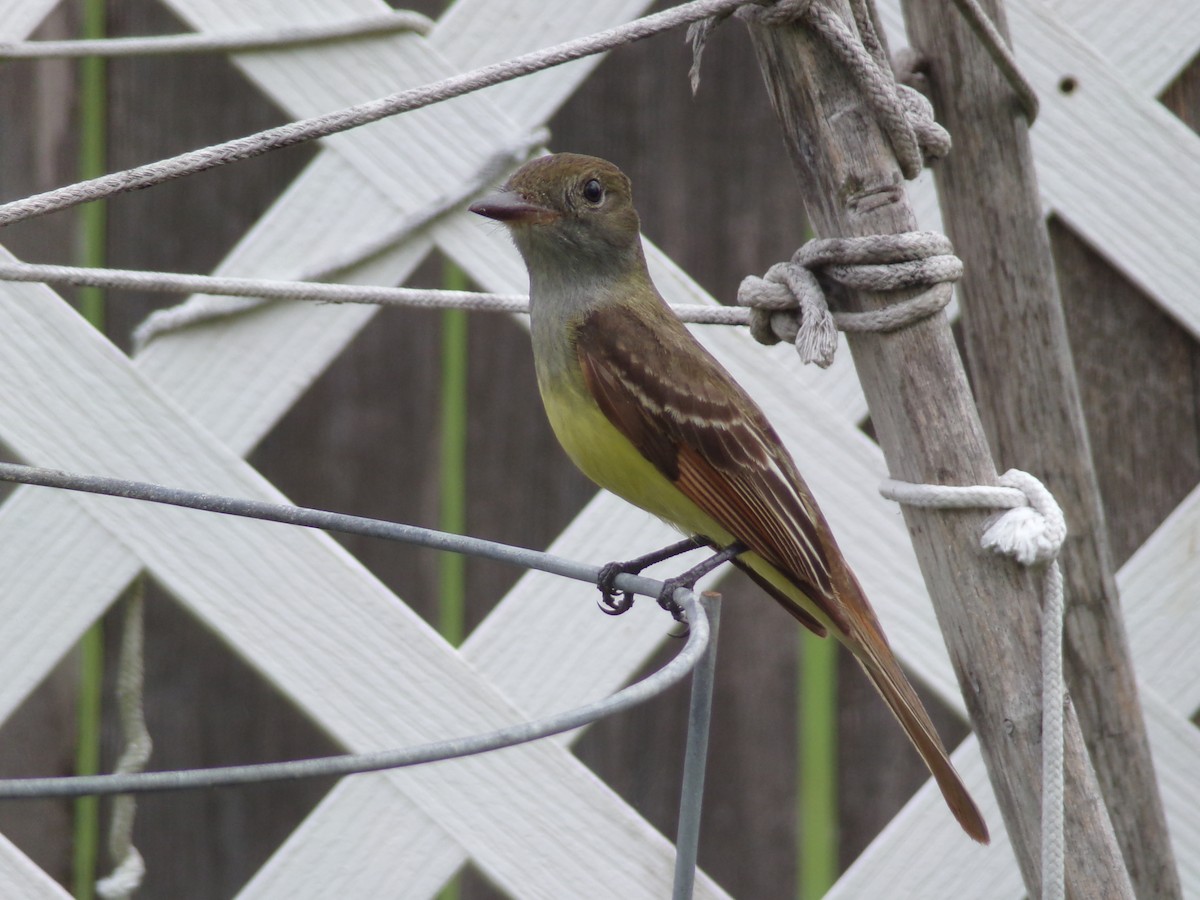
x: 933, y: 139
x: 788, y: 303
x: 1032, y: 533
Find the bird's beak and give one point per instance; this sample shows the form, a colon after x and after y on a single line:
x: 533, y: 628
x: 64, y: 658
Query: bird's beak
x: 509, y: 206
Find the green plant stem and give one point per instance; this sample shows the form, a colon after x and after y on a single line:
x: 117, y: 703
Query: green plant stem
x: 92, y: 242
x: 452, y: 590
x: 818, y: 766
x: 86, y: 843
x: 453, y: 512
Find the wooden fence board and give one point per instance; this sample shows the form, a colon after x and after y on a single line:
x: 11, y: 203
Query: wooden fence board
x: 19, y: 877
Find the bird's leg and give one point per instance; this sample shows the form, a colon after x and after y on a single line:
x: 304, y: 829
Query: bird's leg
x: 666, y: 597
x: 614, y: 606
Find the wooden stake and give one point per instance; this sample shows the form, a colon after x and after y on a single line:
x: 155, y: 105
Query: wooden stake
x: 1024, y: 377
x: 928, y: 427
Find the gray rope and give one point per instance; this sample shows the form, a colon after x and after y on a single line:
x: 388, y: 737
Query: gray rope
x: 259, y: 289
x: 206, y: 308
x: 321, y: 292
x: 332, y: 123
x: 905, y: 114
x: 788, y: 303
x: 126, y: 878
x: 997, y: 48
x: 241, y: 42
x: 933, y: 139
x: 1032, y: 532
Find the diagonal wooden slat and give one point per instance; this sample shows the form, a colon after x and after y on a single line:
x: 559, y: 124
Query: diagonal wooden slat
x: 41, y: 533
x: 1149, y: 43
x: 19, y: 877
x: 21, y: 17
x: 388, y: 856
x: 1138, y: 185
x: 1158, y: 585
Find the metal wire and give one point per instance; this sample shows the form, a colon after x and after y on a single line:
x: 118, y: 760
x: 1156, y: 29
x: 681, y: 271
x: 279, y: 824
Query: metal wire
x: 323, y: 767
x: 695, y: 759
x: 323, y: 520
x: 144, y: 782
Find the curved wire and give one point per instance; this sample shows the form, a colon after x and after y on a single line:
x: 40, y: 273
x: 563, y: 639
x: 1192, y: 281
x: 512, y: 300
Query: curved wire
x: 323, y: 520
x: 349, y: 764
x: 145, y: 782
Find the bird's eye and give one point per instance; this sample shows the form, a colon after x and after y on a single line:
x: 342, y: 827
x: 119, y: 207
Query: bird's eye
x: 593, y: 191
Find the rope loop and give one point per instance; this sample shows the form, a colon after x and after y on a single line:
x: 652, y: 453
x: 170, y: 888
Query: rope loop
x: 788, y: 302
x: 933, y: 139
x: 1031, y: 531
x: 1032, y: 534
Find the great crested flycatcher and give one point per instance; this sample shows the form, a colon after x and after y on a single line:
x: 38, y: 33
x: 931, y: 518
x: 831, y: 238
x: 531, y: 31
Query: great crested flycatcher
x: 647, y: 413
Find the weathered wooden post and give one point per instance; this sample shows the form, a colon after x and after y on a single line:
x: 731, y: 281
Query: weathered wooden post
x: 929, y: 429
x: 1023, y: 374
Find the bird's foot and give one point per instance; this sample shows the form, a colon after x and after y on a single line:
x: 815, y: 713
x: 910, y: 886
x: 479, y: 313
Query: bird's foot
x: 688, y: 579
x: 614, y: 602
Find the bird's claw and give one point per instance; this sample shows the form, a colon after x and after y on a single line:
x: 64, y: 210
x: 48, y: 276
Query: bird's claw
x: 613, y: 602
x: 666, y: 598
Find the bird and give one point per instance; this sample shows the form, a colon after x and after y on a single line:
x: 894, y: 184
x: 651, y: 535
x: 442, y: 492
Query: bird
x: 646, y: 412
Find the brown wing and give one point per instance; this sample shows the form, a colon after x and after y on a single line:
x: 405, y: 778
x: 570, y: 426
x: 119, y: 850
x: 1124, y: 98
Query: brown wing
x: 701, y: 430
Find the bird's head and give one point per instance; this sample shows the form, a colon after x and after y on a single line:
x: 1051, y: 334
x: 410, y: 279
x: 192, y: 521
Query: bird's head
x: 568, y: 210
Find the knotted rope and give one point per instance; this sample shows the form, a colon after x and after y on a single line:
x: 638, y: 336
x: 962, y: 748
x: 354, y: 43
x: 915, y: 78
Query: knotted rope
x: 788, y: 303
x: 1032, y: 532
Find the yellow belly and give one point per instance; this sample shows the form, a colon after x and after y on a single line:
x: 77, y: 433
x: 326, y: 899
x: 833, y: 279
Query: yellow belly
x: 608, y: 458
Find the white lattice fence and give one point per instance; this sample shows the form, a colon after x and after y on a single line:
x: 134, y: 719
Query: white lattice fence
x: 353, y: 656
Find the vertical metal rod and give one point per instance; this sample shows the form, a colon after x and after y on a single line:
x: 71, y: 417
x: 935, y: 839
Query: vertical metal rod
x: 696, y: 756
